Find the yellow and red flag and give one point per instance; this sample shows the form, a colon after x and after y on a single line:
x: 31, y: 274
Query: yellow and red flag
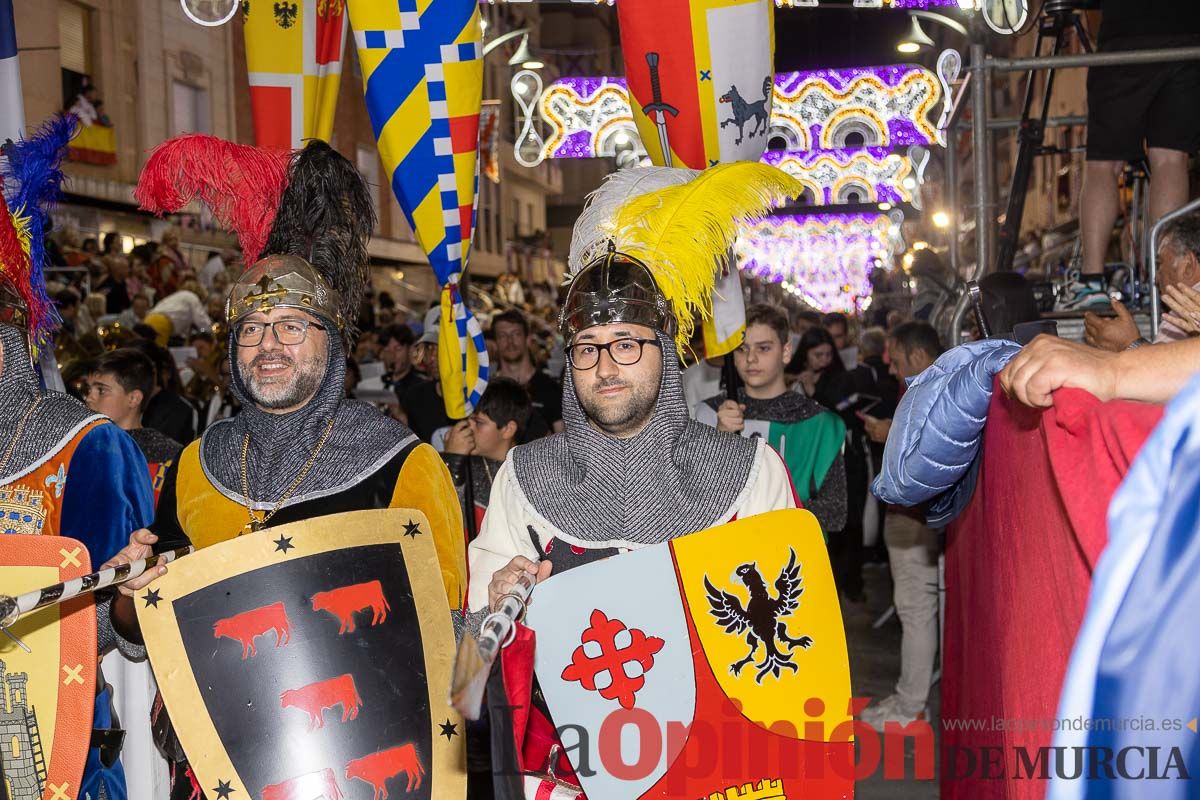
x: 294, y: 54
x: 701, y: 75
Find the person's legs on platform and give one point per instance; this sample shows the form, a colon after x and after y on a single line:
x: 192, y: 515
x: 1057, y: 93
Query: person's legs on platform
x: 1168, y: 181
x: 1099, y: 207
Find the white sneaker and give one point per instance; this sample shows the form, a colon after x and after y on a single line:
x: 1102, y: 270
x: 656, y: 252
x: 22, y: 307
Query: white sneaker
x: 888, y: 710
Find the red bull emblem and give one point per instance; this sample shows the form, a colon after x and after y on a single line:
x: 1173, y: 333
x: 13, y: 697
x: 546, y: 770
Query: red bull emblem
x: 345, y: 601
x: 247, y: 626
x: 378, y: 768
x: 316, y: 697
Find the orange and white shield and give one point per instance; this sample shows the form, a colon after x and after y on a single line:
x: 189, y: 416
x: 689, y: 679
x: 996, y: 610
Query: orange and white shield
x: 48, y: 693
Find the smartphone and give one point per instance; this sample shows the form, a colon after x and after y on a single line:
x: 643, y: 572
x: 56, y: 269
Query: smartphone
x: 860, y: 403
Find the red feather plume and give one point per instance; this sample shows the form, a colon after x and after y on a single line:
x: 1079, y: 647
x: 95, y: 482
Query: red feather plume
x: 15, y: 268
x: 242, y: 185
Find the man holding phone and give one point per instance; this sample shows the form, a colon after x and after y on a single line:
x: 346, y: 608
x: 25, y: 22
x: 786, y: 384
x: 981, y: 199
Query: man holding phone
x: 806, y: 435
x: 913, y: 550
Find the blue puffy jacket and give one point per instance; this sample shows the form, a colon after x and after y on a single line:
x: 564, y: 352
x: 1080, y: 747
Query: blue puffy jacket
x: 933, y: 447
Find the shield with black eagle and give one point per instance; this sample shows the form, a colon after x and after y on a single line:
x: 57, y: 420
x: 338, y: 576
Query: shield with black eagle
x: 311, y: 661
x: 711, y: 666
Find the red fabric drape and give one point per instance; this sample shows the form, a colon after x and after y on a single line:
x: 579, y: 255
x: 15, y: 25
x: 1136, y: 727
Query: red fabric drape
x: 1018, y: 567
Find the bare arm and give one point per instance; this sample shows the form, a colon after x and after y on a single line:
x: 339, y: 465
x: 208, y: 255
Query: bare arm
x: 1152, y: 374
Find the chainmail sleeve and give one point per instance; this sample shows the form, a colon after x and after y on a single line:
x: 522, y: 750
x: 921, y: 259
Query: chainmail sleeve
x: 107, y: 636
x: 828, y: 505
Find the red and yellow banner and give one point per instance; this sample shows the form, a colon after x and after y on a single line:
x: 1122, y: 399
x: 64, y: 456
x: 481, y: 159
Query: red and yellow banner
x: 294, y: 54
x: 701, y: 75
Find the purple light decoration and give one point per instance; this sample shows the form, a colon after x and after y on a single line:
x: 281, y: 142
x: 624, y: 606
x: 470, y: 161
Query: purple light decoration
x: 901, y: 130
x: 809, y: 157
x: 828, y: 258
x: 922, y: 4
x: 839, y: 79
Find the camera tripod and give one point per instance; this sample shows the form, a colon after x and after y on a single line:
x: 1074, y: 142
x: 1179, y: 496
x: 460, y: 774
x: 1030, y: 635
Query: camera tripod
x: 1057, y: 19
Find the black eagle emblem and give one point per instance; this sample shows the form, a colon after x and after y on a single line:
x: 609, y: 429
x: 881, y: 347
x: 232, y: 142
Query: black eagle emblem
x: 762, y: 618
x: 285, y: 14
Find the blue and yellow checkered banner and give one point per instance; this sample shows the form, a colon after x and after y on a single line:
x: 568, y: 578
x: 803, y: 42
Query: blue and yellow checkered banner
x: 422, y: 66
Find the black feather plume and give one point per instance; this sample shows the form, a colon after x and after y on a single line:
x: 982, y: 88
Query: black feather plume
x: 326, y: 217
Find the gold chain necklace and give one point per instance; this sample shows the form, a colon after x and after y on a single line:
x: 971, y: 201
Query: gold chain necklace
x: 256, y: 524
x: 12, y: 446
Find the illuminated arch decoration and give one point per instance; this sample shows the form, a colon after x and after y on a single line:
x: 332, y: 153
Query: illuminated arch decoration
x: 885, y: 106
x: 871, y: 175
x: 824, y: 259
x: 823, y: 110
x: 588, y: 118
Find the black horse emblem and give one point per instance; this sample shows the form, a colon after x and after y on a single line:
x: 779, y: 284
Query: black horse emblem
x: 744, y: 111
x: 762, y: 617
x: 285, y: 14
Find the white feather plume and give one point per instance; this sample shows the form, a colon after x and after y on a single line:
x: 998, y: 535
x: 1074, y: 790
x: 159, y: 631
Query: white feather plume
x: 595, y: 225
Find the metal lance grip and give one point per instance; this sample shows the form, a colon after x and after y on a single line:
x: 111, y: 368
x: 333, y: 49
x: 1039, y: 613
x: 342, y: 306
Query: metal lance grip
x: 474, y: 660
x: 498, y: 626
x: 13, y: 608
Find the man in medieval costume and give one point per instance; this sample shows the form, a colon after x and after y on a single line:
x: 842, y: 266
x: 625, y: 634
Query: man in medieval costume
x: 298, y: 449
x: 64, y: 470
x: 631, y: 468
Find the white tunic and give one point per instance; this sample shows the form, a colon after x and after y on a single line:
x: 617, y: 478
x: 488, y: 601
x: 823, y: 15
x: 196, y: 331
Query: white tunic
x: 505, y: 531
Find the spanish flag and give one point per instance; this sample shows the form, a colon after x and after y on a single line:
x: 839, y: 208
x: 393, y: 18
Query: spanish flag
x: 294, y: 57
x: 701, y: 75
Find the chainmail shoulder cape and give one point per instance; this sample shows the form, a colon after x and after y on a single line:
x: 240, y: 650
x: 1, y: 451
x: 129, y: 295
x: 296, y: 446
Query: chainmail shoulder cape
x: 57, y: 418
x: 787, y: 407
x: 362, y: 440
x: 674, y: 478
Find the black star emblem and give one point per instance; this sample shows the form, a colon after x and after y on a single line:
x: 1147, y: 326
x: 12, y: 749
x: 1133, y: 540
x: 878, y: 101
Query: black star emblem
x: 283, y: 544
x: 152, y: 597
x: 412, y: 529
x: 449, y: 730
x: 223, y: 789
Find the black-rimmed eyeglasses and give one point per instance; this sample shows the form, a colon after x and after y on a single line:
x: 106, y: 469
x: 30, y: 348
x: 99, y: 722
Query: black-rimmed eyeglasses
x: 287, y: 331
x: 625, y: 352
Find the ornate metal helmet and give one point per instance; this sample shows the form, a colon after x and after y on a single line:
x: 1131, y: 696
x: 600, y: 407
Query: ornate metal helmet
x: 615, y: 287
x: 283, y: 281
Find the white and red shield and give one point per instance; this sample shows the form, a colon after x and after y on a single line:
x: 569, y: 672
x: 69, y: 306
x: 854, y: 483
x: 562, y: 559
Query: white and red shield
x: 701, y: 667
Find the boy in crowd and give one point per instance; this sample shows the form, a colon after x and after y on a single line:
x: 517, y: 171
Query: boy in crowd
x: 806, y: 435
x: 485, y: 438
x: 511, y: 329
x: 120, y: 387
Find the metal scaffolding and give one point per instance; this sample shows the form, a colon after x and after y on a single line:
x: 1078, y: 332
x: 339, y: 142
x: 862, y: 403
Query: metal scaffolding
x: 982, y: 68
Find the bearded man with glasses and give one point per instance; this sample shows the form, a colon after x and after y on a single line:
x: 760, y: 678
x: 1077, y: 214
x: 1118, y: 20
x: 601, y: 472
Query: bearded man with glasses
x: 298, y: 448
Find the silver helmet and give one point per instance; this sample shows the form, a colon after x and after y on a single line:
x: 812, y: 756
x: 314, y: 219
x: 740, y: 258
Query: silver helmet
x: 615, y: 288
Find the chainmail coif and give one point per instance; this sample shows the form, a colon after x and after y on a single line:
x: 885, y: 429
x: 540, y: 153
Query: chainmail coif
x: 56, y: 416
x: 675, y: 477
x: 362, y: 439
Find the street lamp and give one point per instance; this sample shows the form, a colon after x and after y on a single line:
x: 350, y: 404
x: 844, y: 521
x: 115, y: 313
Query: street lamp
x: 917, y: 40
x: 524, y: 57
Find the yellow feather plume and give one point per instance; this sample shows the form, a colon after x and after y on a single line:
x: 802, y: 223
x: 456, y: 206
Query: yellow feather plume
x: 684, y: 233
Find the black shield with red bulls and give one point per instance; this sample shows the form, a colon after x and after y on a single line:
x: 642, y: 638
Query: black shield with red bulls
x: 311, y: 662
